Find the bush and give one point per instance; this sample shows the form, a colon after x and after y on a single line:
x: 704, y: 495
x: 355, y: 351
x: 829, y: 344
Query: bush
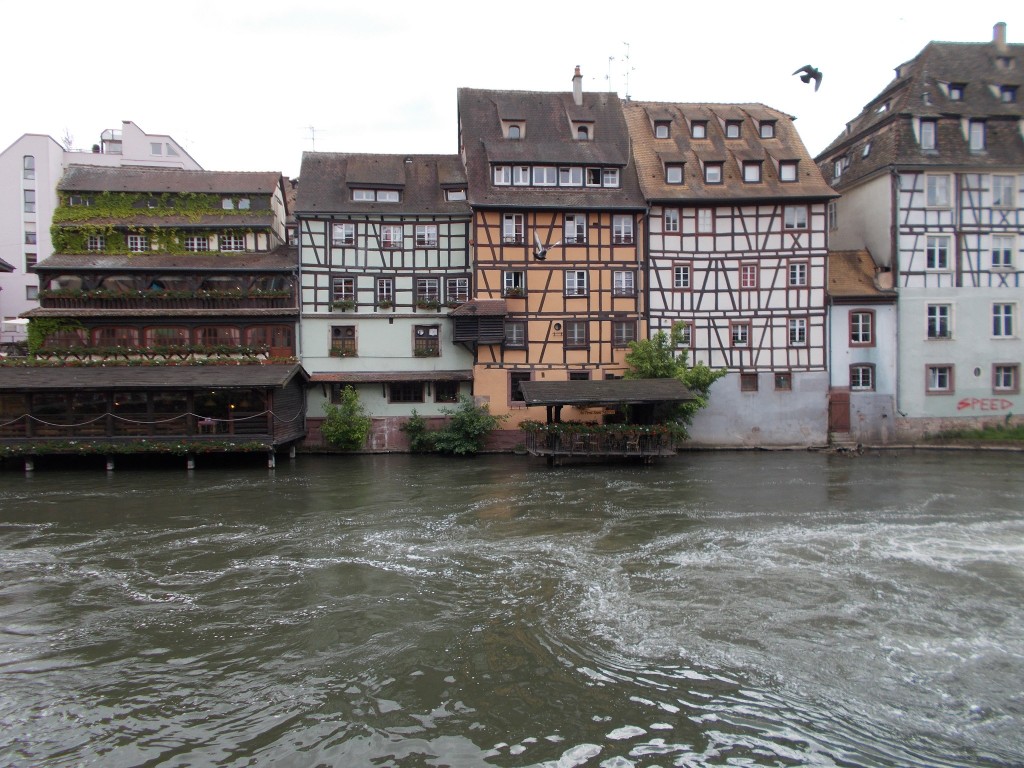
x: 468, y: 428
x: 421, y: 439
x: 346, y: 425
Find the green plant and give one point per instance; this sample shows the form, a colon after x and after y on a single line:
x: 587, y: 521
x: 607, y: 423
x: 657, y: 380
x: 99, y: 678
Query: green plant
x: 345, y: 305
x: 428, y: 304
x: 41, y: 327
x: 467, y: 429
x: 346, y: 424
x: 385, y: 304
x: 421, y: 439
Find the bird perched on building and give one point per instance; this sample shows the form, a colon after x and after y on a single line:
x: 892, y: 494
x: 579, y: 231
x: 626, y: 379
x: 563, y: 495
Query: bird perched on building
x: 810, y: 73
x: 541, y: 252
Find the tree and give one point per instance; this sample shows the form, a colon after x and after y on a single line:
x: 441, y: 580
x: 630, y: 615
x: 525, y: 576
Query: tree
x: 346, y: 425
x: 666, y: 357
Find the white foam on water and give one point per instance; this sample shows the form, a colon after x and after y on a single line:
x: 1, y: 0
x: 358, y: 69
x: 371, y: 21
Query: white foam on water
x: 626, y: 732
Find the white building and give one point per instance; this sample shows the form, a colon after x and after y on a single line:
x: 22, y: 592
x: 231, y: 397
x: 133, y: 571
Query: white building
x: 29, y: 172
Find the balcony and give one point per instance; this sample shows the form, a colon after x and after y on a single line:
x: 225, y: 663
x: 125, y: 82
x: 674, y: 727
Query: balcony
x: 100, y: 299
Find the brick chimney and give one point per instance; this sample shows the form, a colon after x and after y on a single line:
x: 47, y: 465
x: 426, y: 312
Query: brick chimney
x: 577, y: 87
x: 998, y: 37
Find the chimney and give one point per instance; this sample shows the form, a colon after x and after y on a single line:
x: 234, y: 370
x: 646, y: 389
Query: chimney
x: 998, y: 37
x: 577, y: 87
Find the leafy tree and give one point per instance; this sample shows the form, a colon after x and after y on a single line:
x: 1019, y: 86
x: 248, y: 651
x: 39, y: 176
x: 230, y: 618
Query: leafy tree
x: 665, y: 357
x: 421, y: 439
x: 467, y: 429
x: 346, y: 425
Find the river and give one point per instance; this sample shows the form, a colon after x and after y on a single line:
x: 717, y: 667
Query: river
x: 749, y: 608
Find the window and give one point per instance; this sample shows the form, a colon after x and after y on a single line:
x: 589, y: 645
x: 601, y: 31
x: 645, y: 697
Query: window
x: 623, y: 283
x: 446, y: 391
x: 713, y: 173
x: 579, y: 375
x: 512, y: 228
x: 570, y: 177
x: 391, y: 235
x: 138, y: 243
x: 31, y: 259
x: 939, y: 325
x: 197, y: 243
x: 837, y: 168
x: 732, y: 129
x: 575, y: 334
x: 940, y: 379
x: 681, y: 277
x: 426, y: 235
x: 96, y: 243
x: 674, y: 173
x: 867, y: 149
x: 862, y: 377
x: 515, y: 333
x: 927, y: 134
x: 740, y: 334
x: 502, y: 175
x: 767, y: 128
x: 751, y: 172
x: 956, y: 91
x: 797, y: 331
x: 622, y: 229
x: 79, y: 200
x: 705, y: 219
x: 937, y: 191
x: 576, y: 282
x: 30, y: 200
x: 699, y: 129
x: 784, y: 381
x: 30, y: 237
x: 1003, y: 191
x: 1006, y: 378
x: 115, y: 336
x: 593, y: 177
x: 748, y: 276
x: 385, y: 290
x: 1002, y: 320
x: 343, y: 289
x: 662, y: 128
x: 457, y: 289
x: 748, y: 382
x: 232, y: 243
x: 976, y: 141
x: 380, y: 195
x: 28, y: 165
x: 685, y: 338
x: 787, y: 170
x: 582, y: 133
x: 244, y: 204
x: 833, y: 216
x: 165, y: 336
x: 795, y: 217
x: 426, y: 341
x: 343, y: 234
x: 515, y: 132
x: 428, y: 290
x: 610, y: 177
x: 515, y: 390
x: 405, y: 392
x: 937, y: 252
x: 343, y: 341
x: 575, y: 228
x: 521, y: 175
x: 797, y: 273
x: 1002, y: 251
x: 1008, y: 94
x: 454, y: 195
x: 156, y: 148
x: 671, y: 220
x: 545, y: 175
x: 32, y: 293
x: 862, y: 328
x: 513, y: 283
x: 623, y: 332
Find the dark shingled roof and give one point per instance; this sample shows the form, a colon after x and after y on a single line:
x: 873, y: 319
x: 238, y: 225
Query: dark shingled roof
x: 280, y: 260
x: 606, y: 392
x: 44, y: 378
x: 5, y: 267
x: 127, y: 178
x: 653, y: 153
x: 327, y: 180
x: 481, y: 308
x: 548, y: 139
x: 921, y: 89
x: 853, y: 275
x: 373, y: 377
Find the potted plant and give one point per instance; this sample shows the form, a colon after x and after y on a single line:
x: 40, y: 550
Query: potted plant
x: 344, y: 305
x: 513, y: 293
x: 424, y: 303
x: 385, y: 304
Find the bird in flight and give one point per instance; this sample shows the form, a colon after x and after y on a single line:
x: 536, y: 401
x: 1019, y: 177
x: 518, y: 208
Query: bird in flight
x: 541, y: 252
x: 810, y: 73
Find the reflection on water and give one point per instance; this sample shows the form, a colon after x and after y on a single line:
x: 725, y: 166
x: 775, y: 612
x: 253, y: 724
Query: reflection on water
x: 720, y: 609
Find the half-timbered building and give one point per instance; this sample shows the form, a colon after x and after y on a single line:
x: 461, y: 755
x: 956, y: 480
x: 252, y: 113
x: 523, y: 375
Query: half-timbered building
x: 384, y: 243
x: 557, y: 240
x: 932, y: 172
x: 175, y: 272
x: 736, y: 251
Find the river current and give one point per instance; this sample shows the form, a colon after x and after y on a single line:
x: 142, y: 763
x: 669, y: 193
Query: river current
x: 716, y: 609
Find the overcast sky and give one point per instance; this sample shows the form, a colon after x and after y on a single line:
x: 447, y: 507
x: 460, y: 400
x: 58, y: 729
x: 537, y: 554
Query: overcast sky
x: 252, y: 85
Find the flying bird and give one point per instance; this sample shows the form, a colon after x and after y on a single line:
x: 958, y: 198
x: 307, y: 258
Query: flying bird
x: 541, y: 252
x: 810, y: 73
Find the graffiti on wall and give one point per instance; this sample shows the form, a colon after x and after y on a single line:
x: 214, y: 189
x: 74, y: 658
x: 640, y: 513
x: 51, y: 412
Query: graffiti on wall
x: 984, y: 404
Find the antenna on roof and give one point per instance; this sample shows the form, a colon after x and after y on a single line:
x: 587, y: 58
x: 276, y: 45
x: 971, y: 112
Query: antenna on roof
x: 629, y: 68
x: 312, y: 137
x: 608, y: 77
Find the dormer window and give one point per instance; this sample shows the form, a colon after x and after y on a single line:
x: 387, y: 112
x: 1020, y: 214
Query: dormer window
x: 514, y: 132
x: 582, y: 133
x: 976, y: 135
x: 752, y: 172
x: 713, y: 173
x: 378, y: 195
x: 502, y: 175
x: 787, y: 170
x: 661, y: 129
x: 867, y: 150
x: 956, y: 91
x: 732, y: 129
x: 882, y: 108
x: 928, y: 134
x: 1005, y: 62
x: 767, y: 129
x: 699, y: 129
x: 1008, y: 94
x: 674, y: 173
x: 454, y: 195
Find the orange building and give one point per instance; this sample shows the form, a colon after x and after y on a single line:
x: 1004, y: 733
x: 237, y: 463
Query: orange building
x: 556, y: 241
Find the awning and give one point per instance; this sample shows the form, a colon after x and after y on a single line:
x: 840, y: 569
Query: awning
x: 148, y: 377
